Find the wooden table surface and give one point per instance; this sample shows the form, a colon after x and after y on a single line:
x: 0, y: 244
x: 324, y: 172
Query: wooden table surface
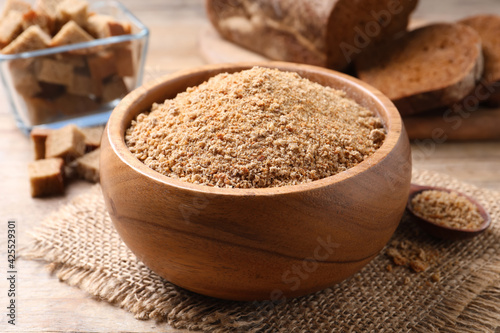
x: 45, y: 304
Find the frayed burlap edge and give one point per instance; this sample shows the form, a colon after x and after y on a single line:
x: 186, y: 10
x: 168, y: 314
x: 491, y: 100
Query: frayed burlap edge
x: 473, y: 311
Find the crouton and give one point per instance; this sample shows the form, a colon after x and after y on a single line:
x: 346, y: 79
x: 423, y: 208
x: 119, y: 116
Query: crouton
x: 10, y: 27
x: 53, y: 71
x: 72, y: 10
x: 33, y: 38
x: 87, y: 166
x: 46, y: 177
x: 67, y: 142
x: 70, y: 33
x: 38, y: 137
x: 112, y: 89
x: 103, y: 26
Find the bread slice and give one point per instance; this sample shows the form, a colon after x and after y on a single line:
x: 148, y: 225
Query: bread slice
x: 46, y: 177
x: 430, y: 67
x: 329, y: 33
x: 488, y: 27
x: 33, y: 38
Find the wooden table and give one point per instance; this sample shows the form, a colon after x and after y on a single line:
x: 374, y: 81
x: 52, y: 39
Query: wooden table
x: 45, y: 304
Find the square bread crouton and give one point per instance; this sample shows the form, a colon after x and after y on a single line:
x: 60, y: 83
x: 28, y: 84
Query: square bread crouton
x: 102, y: 65
x: 53, y: 71
x: 15, y: 6
x: 84, y: 85
x: 33, y: 38
x: 93, y: 137
x: 72, y: 10
x: 70, y: 33
x: 38, y: 137
x: 48, y: 7
x: 35, y: 18
x: 103, y: 26
x: 40, y: 110
x: 70, y: 105
x: 25, y: 81
x: 46, y: 177
x: 10, y: 27
x: 125, y: 62
x: 114, y: 88
x: 67, y: 142
x: 87, y: 166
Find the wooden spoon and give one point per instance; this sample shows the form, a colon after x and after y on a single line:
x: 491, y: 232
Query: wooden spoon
x: 441, y: 231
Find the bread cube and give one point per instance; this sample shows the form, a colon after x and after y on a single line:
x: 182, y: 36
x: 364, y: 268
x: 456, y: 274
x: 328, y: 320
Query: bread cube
x: 72, y: 10
x: 125, y: 63
x: 10, y: 27
x: 32, y: 17
x: 46, y: 177
x: 87, y: 166
x: 93, y: 137
x: 70, y: 33
x: 25, y: 81
x: 103, y: 26
x: 67, y: 142
x: 40, y: 110
x: 71, y: 105
x: 15, y: 6
x: 102, y: 65
x: 84, y: 85
x: 114, y: 88
x: 48, y: 7
x: 53, y: 71
x: 33, y: 38
x: 38, y: 137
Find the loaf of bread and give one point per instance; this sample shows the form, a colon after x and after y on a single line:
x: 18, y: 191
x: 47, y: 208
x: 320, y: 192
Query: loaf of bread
x: 431, y: 67
x: 488, y: 27
x: 328, y: 33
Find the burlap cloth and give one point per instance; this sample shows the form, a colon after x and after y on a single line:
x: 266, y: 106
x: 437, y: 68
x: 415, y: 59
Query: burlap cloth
x: 83, y: 249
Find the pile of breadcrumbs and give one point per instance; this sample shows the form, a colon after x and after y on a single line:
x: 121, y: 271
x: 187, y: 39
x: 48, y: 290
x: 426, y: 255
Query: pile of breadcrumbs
x: 448, y: 209
x: 256, y: 128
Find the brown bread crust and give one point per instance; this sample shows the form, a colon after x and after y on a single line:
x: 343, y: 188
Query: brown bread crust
x: 431, y: 67
x: 488, y: 27
x: 329, y: 33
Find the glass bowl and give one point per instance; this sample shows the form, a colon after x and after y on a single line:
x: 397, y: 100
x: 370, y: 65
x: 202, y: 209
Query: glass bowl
x: 79, y: 83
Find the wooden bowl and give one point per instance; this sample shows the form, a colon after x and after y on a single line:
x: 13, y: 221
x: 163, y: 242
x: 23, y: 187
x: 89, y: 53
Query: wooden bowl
x: 254, y: 244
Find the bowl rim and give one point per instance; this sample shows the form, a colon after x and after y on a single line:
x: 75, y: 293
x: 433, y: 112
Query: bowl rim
x: 115, y: 129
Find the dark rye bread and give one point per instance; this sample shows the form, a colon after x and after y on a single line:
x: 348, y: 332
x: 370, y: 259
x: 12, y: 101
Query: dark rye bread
x: 434, y: 66
x: 488, y: 27
x: 328, y: 33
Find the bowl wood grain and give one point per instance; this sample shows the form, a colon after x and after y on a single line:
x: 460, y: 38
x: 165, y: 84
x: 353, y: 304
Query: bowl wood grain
x: 253, y: 244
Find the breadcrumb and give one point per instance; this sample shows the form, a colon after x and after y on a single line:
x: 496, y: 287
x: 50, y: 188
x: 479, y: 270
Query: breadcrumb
x: 253, y: 129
